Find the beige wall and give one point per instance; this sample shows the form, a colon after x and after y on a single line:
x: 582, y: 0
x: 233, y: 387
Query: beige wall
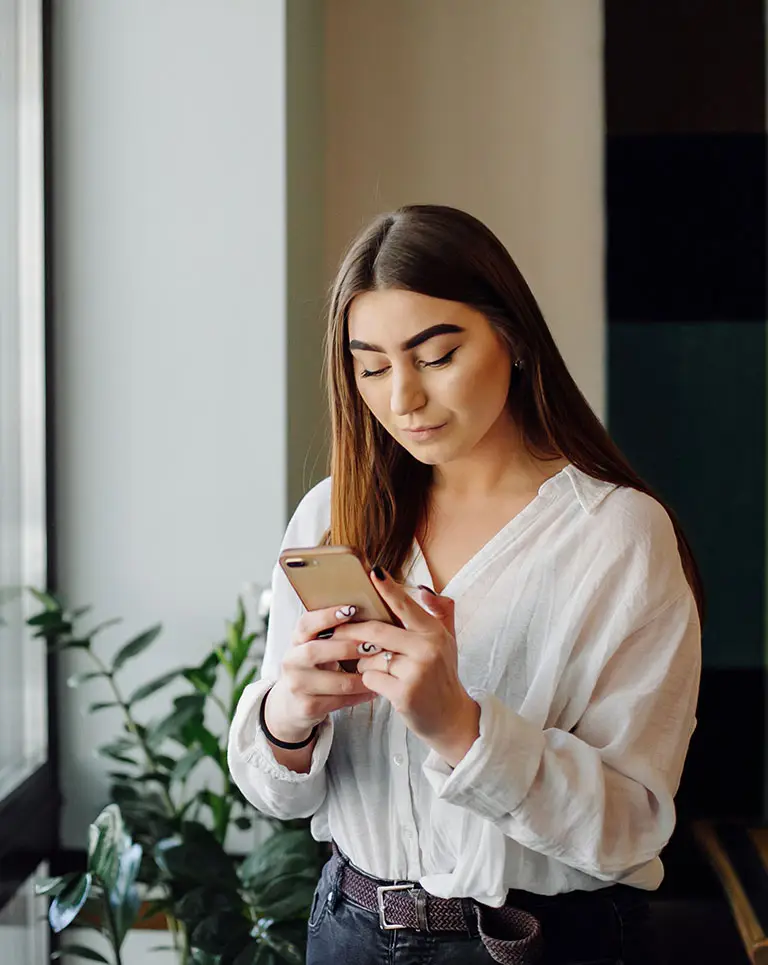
x: 494, y: 106
x: 306, y: 275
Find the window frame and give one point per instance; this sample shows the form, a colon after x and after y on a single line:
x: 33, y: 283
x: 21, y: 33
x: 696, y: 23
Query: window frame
x: 30, y: 809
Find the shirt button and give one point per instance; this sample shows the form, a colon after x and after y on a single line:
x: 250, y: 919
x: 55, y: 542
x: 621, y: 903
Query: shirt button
x: 398, y: 759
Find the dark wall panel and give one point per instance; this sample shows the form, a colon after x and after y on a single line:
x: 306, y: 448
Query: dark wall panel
x: 686, y: 265
x: 684, y: 66
x: 688, y: 409
x: 686, y: 228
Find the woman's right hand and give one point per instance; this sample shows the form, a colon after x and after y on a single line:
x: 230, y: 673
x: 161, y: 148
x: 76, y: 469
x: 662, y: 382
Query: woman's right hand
x: 311, y: 684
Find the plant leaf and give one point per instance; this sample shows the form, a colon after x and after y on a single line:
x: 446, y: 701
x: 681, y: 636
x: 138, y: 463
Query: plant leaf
x: 152, y: 687
x: 116, y: 755
x: 120, y: 744
x: 285, y: 852
x: 65, y: 906
x: 218, y: 805
x: 197, y: 857
x: 164, y: 761
x: 159, y: 776
x: 199, y: 957
x: 195, y: 731
x: 238, y: 644
x: 124, y: 897
x: 203, y: 678
x: 50, y: 619
x: 54, y: 886
x: 185, y: 710
x: 106, y: 839
x: 134, y: 647
x: 80, y: 678
x: 104, y: 625
x: 201, y: 902
x: 288, y: 897
x: 48, y: 600
x: 102, y: 705
x: 81, y: 952
x: 284, y: 948
x: 187, y: 764
x: 221, y: 933
x: 238, y: 691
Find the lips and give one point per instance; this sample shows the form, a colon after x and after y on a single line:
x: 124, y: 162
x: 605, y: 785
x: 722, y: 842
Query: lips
x: 423, y: 433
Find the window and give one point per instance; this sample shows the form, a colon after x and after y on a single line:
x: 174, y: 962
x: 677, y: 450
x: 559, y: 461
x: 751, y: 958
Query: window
x: 29, y: 796
x: 23, y: 701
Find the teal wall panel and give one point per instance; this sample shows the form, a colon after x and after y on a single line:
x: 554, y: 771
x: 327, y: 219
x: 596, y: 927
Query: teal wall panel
x: 687, y: 406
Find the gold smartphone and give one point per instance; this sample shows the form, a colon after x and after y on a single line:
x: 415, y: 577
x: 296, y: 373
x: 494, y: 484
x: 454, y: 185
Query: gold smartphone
x: 328, y: 576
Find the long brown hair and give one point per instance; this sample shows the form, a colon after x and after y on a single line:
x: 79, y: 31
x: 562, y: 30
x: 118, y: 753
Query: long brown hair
x: 379, y: 491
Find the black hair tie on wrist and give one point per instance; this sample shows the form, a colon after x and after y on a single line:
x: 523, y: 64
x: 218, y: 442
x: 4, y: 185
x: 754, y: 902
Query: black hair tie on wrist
x: 286, y: 745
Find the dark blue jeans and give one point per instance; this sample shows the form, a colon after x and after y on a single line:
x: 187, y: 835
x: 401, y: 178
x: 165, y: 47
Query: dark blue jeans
x: 607, y: 927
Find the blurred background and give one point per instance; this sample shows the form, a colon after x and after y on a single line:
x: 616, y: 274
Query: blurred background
x: 178, y: 180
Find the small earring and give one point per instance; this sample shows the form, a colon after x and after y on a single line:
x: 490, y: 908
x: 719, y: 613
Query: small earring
x: 518, y: 365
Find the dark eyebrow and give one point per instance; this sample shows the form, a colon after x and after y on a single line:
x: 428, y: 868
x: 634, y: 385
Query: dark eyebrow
x: 442, y: 329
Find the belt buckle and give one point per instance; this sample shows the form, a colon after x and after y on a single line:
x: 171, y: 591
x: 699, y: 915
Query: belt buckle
x: 380, y: 902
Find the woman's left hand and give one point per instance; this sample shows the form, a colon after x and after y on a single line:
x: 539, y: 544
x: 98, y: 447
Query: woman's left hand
x: 423, y: 680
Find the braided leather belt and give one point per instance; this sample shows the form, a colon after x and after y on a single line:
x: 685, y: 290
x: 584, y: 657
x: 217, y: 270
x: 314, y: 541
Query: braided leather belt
x: 404, y: 905
x: 511, y: 936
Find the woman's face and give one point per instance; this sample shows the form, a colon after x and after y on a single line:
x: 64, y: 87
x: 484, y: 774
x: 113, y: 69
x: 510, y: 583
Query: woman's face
x: 433, y: 372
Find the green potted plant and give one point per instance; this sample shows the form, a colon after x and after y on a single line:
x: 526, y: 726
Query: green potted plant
x: 163, y: 836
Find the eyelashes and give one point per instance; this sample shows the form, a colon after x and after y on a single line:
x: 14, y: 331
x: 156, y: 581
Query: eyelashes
x: 437, y: 364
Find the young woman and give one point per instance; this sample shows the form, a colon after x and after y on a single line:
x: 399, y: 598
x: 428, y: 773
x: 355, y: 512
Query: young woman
x: 508, y: 795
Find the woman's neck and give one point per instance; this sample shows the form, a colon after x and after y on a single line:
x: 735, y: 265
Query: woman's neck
x: 499, y: 465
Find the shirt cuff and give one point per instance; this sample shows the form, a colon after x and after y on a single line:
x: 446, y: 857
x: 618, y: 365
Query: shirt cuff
x: 496, y: 773
x: 249, y: 743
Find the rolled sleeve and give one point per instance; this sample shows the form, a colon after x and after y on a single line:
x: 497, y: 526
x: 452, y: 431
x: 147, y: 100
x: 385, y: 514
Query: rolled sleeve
x: 498, y: 770
x: 270, y: 786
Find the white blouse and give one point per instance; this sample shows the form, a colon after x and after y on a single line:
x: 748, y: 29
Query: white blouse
x: 579, y: 638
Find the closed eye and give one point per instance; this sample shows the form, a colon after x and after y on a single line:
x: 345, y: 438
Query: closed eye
x: 367, y: 373
x: 438, y: 363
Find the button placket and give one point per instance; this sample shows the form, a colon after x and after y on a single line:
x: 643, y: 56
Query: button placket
x: 400, y: 778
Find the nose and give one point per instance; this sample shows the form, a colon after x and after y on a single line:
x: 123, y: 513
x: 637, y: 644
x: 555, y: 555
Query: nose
x: 407, y: 393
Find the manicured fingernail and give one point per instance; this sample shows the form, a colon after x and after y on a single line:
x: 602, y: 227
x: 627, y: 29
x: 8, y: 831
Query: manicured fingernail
x: 368, y: 648
x: 379, y: 573
x: 344, y: 612
x: 325, y: 634
x: 427, y: 589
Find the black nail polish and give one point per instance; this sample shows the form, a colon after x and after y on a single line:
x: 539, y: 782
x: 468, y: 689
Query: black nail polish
x: 325, y: 634
x: 379, y: 573
x: 422, y: 587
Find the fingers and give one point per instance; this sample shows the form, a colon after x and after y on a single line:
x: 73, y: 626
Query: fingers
x: 382, y: 635
x: 384, y: 684
x: 441, y: 607
x: 313, y: 622
x: 412, y: 616
x: 314, y: 653
x: 379, y: 663
x: 329, y: 683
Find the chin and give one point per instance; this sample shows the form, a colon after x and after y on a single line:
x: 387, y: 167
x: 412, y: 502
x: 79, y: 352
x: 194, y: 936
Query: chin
x: 434, y: 455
